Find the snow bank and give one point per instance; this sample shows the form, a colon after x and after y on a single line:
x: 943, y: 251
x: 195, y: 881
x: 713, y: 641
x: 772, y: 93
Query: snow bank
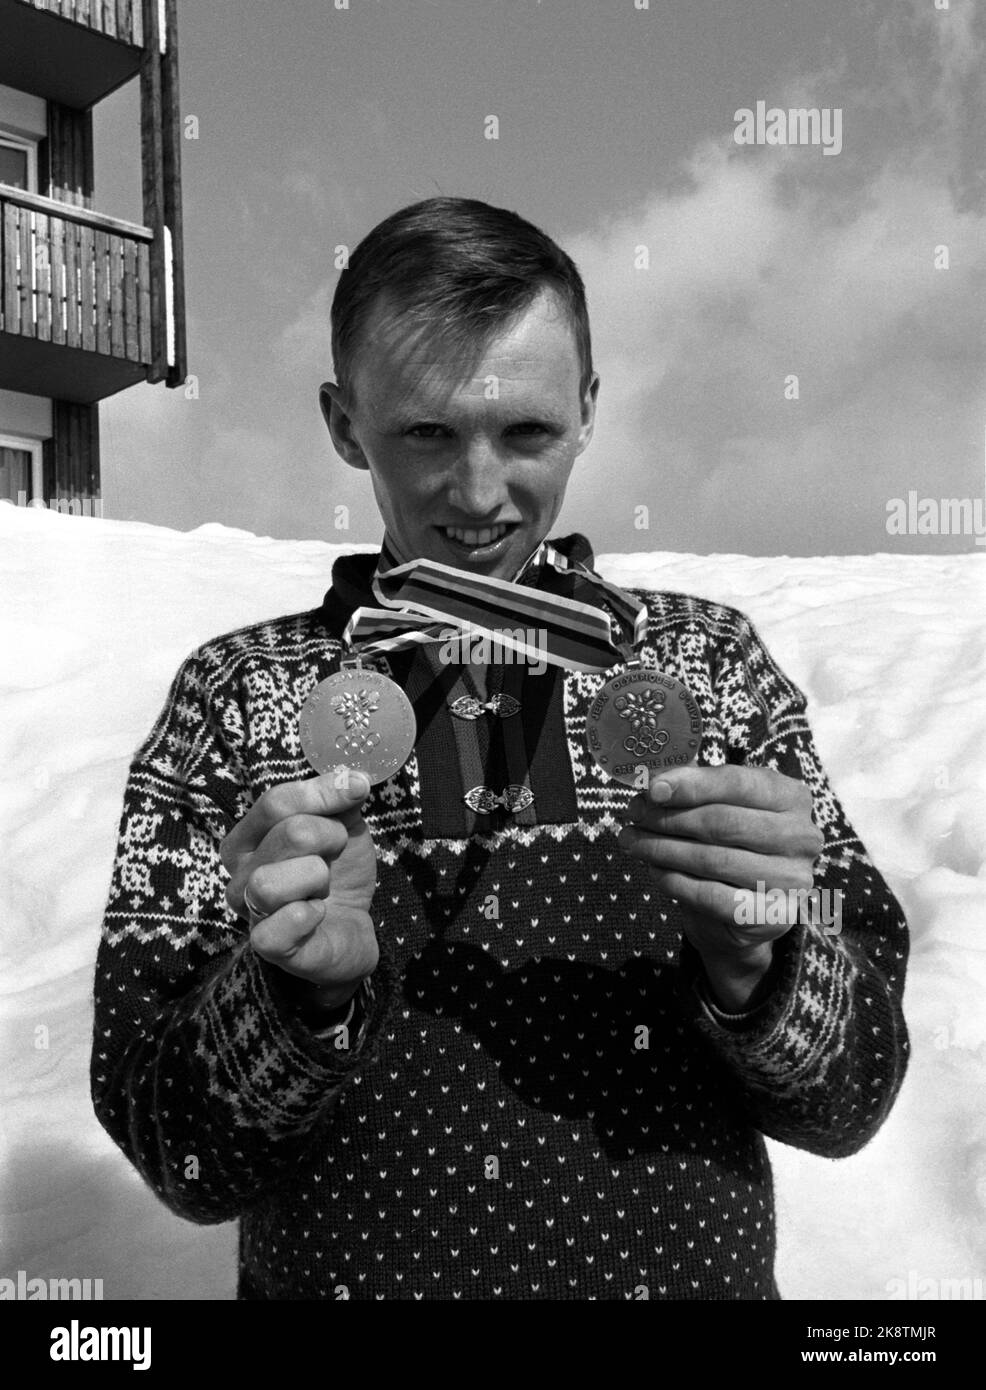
x: 97, y: 615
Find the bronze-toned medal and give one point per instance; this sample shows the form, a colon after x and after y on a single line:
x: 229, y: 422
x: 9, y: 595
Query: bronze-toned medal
x: 358, y: 718
x: 642, y: 719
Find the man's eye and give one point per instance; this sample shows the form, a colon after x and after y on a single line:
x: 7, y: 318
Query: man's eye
x: 432, y: 431
x: 415, y: 428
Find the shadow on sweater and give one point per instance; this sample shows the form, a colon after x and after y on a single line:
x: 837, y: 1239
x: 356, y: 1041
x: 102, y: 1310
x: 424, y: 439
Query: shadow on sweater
x: 566, y: 1035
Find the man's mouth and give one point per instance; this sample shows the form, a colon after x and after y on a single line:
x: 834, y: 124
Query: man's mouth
x: 480, y: 538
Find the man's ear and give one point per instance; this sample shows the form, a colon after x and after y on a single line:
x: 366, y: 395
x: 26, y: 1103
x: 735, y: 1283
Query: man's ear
x: 588, y: 413
x: 339, y: 422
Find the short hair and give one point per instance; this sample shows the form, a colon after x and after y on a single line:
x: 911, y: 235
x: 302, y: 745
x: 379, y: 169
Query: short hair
x: 457, y: 267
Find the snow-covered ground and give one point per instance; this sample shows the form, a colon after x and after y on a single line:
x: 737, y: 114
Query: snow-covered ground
x: 95, y: 617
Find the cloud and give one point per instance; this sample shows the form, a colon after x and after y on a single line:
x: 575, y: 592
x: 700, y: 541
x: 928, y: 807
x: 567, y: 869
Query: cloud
x: 771, y: 263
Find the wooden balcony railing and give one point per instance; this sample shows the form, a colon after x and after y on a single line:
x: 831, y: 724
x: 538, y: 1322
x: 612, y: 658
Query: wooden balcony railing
x: 73, y: 277
x: 116, y: 19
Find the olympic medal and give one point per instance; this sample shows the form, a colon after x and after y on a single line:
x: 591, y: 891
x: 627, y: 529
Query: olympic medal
x: 361, y: 719
x: 643, y: 719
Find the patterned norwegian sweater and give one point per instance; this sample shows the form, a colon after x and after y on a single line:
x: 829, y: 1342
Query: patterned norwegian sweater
x: 538, y: 1100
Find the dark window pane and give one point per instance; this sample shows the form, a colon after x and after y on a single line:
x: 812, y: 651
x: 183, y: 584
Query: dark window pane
x: 13, y: 166
x: 15, y: 472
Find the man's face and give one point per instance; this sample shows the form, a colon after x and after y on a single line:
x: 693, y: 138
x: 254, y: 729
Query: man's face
x: 469, y: 461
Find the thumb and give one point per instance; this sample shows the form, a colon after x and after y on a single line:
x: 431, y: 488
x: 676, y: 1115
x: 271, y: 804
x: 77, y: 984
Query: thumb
x: 357, y: 787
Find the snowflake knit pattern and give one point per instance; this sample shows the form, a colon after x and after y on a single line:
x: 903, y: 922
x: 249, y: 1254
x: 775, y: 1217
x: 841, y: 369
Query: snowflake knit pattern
x: 537, y: 1099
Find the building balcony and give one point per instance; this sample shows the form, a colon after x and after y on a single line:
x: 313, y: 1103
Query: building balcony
x: 72, y: 51
x: 76, y: 319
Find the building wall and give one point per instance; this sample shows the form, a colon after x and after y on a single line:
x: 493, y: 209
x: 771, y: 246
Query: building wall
x: 71, y: 456
x: 66, y: 171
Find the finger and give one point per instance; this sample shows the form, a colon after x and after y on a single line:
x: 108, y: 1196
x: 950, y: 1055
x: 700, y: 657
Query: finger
x: 334, y: 793
x: 722, y: 863
x: 771, y: 832
x: 290, y: 933
x: 294, y: 838
x: 297, y: 939
x: 741, y: 912
x: 271, y: 886
x: 758, y: 788
x: 701, y: 895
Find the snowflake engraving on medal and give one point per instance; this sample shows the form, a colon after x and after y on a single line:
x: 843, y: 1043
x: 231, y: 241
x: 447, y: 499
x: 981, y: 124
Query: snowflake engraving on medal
x: 642, y: 720
x: 642, y: 711
x: 355, y: 707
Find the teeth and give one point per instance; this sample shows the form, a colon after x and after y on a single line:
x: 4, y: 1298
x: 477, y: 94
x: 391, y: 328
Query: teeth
x: 483, y: 537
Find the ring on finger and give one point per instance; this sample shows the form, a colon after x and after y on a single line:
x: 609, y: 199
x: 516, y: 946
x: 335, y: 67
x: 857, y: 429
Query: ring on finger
x: 256, y: 913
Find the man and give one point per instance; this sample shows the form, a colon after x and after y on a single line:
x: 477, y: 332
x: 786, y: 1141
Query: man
x: 500, y: 1026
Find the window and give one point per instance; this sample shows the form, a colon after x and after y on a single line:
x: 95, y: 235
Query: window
x: 21, y: 469
x: 18, y: 162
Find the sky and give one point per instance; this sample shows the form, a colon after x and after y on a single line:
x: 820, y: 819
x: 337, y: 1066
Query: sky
x: 786, y: 356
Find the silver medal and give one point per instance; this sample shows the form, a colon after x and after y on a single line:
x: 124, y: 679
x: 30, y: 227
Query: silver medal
x: 359, y: 719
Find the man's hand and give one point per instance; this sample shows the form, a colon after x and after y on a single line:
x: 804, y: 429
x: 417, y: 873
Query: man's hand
x: 305, y: 859
x: 710, y: 835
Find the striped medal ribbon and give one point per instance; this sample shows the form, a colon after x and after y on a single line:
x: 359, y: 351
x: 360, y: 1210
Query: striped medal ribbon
x: 423, y: 600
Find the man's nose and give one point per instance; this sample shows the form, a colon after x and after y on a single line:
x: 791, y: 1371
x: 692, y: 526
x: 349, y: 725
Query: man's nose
x: 477, y: 486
